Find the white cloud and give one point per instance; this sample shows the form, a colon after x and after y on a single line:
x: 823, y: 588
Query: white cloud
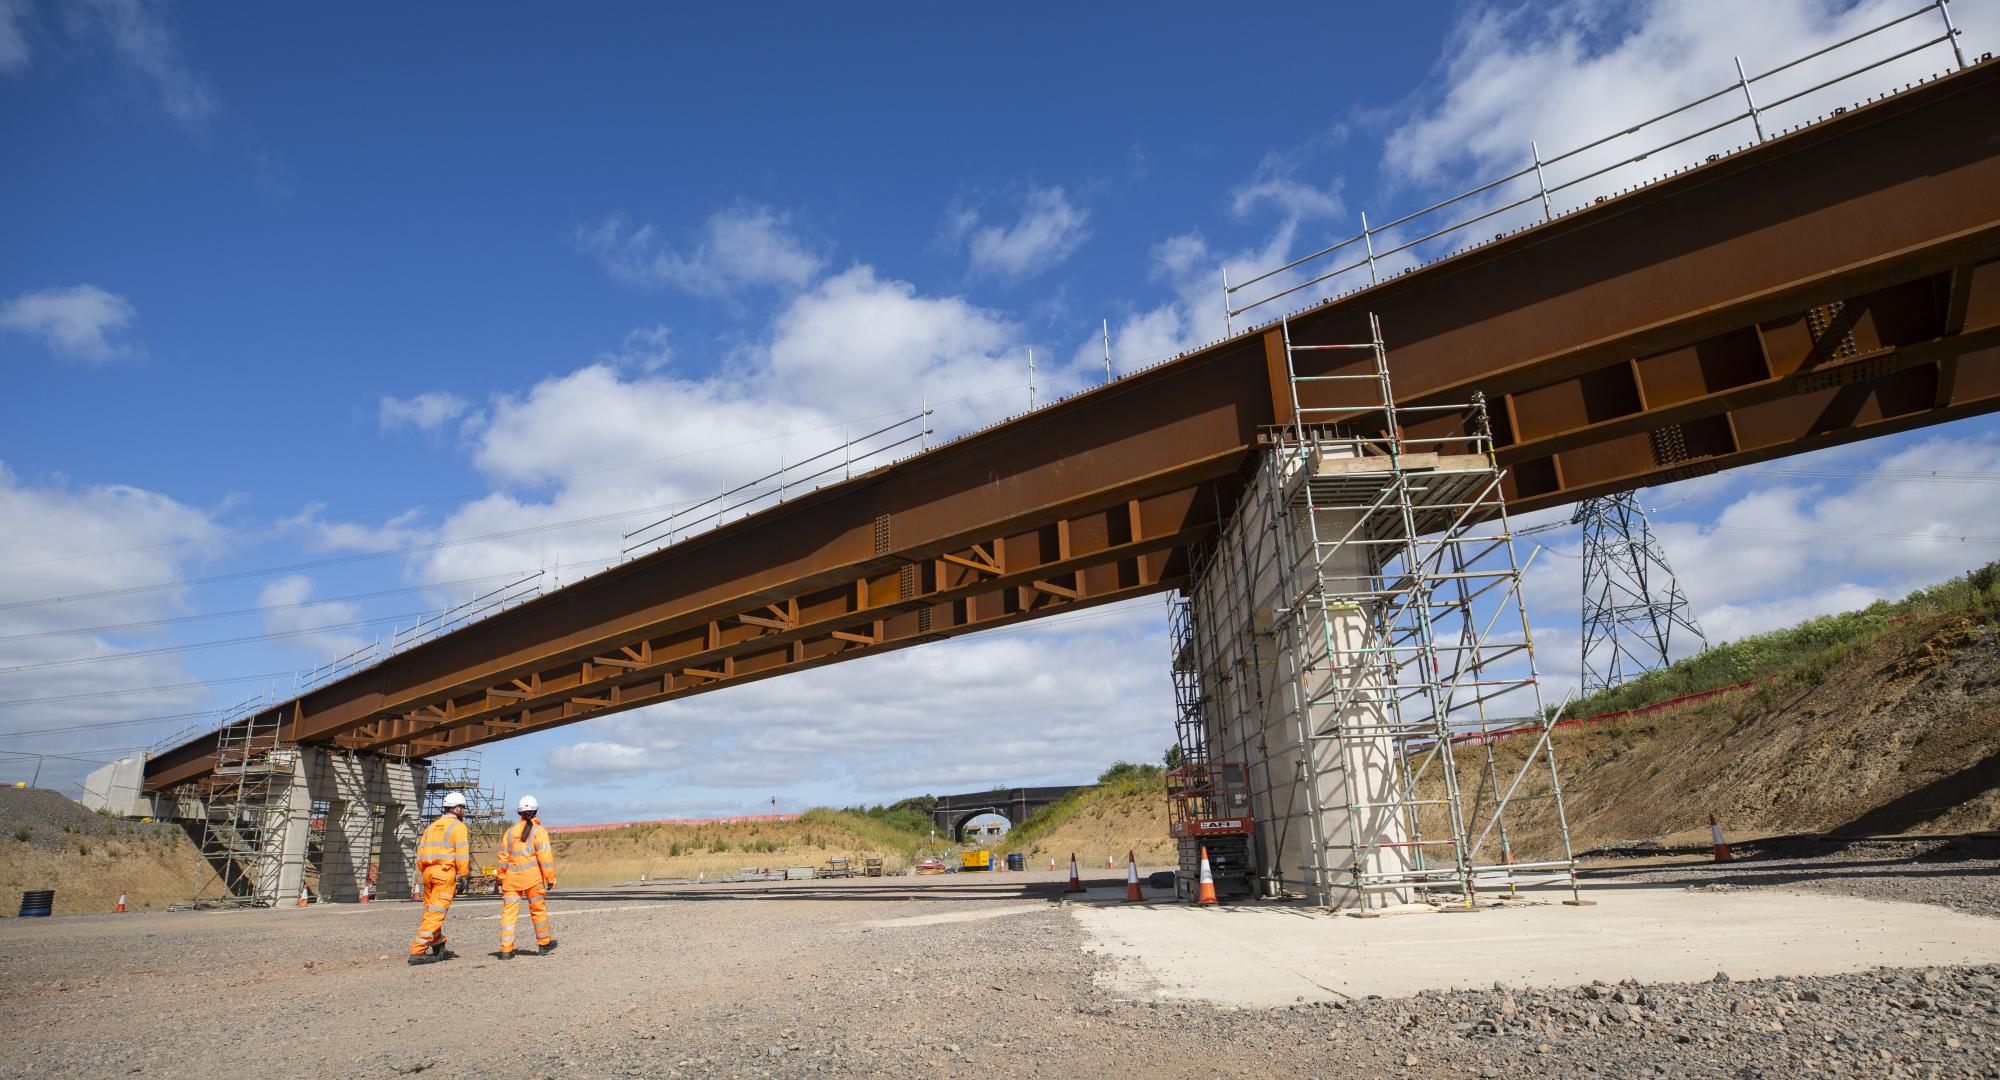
x: 1050, y: 229
x: 308, y: 626
x: 137, y: 33
x: 64, y: 541
x: 398, y: 532
x: 1758, y: 551
x: 1569, y: 72
x: 1055, y: 704
x: 426, y: 412
x: 742, y: 247
x: 647, y: 348
x: 856, y: 333
x: 83, y: 321
x: 14, y: 51
x: 1277, y: 185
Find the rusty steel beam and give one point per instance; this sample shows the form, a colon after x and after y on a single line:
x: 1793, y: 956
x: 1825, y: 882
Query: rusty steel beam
x: 1836, y: 283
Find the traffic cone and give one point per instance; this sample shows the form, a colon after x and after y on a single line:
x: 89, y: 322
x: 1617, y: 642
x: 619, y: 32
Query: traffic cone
x: 121, y: 903
x: 302, y: 896
x: 1075, y: 879
x: 367, y: 891
x: 1108, y: 864
x: 1052, y: 864
x: 1721, y: 845
x: 1132, y: 878
x: 1207, y: 897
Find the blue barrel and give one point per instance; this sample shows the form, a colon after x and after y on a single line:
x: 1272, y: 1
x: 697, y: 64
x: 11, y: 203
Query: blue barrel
x: 38, y: 903
x: 1017, y: 861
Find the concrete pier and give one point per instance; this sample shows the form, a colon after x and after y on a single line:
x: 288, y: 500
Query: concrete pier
x: 1295, y: 685
x: 323, y: 816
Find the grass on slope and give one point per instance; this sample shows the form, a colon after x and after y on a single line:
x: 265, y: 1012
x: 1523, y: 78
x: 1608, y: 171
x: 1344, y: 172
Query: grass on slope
x: 675, y: 851
x: 1127, y: 810
x: 1811, y: 647
x: 1879, y: 727
x: 48, y: 841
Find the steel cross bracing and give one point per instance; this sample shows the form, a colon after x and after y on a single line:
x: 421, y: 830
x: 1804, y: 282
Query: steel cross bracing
x: 1632, y: 602
x: 1835, y: 283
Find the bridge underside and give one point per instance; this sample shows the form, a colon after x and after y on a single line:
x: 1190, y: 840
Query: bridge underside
x: 1835, y: 284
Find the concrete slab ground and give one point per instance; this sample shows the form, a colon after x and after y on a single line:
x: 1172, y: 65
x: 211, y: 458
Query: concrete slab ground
x: 1256, y: 956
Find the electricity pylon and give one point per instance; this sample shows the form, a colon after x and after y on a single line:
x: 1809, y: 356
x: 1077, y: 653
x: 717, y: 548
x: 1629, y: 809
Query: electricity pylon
x: 1632, y: 602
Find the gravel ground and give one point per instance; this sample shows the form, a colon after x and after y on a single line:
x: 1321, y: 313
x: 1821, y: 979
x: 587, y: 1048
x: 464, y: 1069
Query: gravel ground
x: 1962, y: 873
x: 948, y: 976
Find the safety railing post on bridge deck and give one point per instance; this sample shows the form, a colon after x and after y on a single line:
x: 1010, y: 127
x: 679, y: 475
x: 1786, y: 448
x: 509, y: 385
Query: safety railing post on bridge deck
x: 1753, y: 112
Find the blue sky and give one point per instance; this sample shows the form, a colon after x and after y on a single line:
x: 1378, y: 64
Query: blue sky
x: 323, y: 286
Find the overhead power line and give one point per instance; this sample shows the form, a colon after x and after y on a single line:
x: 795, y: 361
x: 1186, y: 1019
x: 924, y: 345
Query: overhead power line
x: 199, y: 684
x: 163, y: 650
x: 112, y: 628
x: 508, y: 490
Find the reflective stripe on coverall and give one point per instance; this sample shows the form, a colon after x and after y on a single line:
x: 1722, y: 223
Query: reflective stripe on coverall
x: 443, y: 854
x: 527, y: 869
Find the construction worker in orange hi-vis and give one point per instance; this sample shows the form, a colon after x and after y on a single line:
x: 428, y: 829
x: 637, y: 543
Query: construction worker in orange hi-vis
x: 527, y: 871
x: 443, y: 856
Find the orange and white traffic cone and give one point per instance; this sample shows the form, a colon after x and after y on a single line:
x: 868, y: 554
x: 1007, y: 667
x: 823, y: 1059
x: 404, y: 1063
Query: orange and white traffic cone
x: 1721, y: 845
x: 1075, y: 879
x: 1132, y: 879
x: 302, y: 896
x: 121, y: 903
x: 1108, y: 864
x: 1207, y: 897
x: 367, y: 892
x: 1052, y: 864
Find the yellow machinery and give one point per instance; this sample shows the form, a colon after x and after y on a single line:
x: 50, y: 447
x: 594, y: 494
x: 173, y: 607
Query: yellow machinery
x: 976, y: 859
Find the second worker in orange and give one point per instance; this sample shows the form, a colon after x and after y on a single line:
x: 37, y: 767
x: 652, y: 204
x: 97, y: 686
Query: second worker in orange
x: 527, y: 872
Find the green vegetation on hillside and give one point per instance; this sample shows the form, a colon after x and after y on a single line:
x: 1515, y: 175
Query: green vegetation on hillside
x: 1807, y: 650
x: 1120, y: 782
x: 897, y: 828
x: 911, y: 815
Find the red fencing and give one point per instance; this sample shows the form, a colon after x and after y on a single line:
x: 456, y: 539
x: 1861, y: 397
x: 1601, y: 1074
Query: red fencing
x: 742, y: 819
x: 1481, y: 737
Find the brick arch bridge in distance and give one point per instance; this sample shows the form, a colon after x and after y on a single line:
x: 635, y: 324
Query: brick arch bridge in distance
x: 951, y: 812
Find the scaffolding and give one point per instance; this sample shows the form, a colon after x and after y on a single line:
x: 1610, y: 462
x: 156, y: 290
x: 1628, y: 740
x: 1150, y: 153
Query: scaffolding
x: 485, y: 809
x: 1190, y: 727
x: 1359, y: 631
x: 248, y: 807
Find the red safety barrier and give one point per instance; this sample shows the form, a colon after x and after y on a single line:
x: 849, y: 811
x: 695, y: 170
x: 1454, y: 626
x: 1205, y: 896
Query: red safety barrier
x: 1478, y: 738
x: 743, y: 819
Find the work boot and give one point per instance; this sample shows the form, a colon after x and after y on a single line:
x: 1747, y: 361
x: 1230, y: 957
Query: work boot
x: 507, y: 956
x: 550, y: 947
x: 443, y: 954
x: 424, y: 958
x: 437, y: 948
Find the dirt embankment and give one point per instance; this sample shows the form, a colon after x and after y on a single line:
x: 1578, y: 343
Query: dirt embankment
x: 1900, y: 735
x: 49, y: 841
x: 1108, y: 820
x: 689, y: 851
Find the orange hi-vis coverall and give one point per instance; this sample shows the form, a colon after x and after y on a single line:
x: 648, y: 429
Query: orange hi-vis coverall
x: 527, y: 870
x: 444, y: 853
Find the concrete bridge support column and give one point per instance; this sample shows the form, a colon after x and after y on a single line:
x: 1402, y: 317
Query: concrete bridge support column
x: 369, y: 806
x: 1295, y: 687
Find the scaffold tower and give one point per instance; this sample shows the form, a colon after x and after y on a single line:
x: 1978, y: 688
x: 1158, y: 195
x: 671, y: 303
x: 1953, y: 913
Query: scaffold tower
x: 247, y: 809
x: 1360, y: 643
x: 1632, y: 602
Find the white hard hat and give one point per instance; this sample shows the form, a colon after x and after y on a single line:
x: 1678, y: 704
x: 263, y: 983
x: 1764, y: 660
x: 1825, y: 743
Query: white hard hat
x: 453, y: 799
x: 529, y: 805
